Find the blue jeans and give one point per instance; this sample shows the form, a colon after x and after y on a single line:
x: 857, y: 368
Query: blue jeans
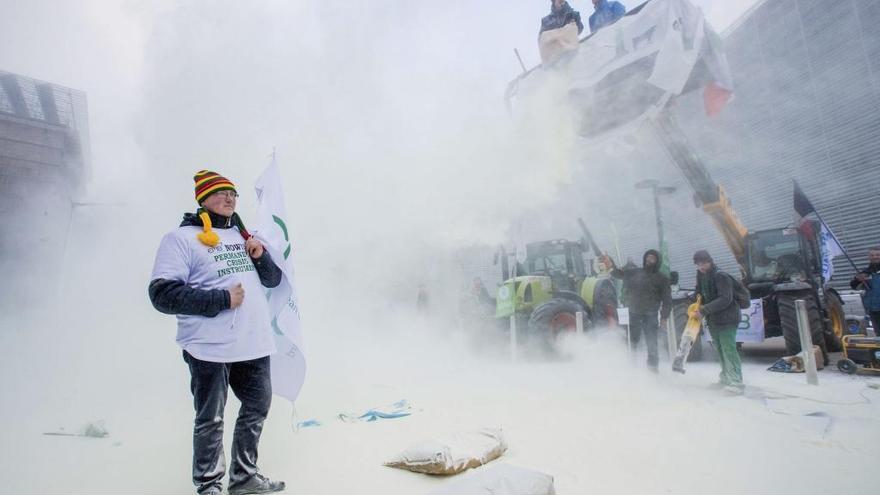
x: 645, y: 324
x: 251, y: 383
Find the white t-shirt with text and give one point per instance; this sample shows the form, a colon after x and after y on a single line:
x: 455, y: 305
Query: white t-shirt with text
x: 233, y: 335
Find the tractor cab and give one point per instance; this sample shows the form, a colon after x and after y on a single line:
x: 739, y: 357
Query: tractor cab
x: 783, y: 256
x: 561, y: 260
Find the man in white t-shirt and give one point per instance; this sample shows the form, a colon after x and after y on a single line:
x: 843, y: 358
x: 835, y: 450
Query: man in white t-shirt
x: 211, y: 274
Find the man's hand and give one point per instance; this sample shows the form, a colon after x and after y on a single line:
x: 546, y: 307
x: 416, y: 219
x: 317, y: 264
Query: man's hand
x: 253, y: 247
x: 236, y: 296
x: 861, y: 277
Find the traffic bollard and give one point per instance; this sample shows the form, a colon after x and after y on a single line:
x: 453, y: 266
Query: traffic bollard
x: 513, y: 343
x: 806, y: 342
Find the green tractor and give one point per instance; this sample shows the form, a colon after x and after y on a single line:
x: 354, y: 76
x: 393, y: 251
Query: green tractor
x: 551, y: 286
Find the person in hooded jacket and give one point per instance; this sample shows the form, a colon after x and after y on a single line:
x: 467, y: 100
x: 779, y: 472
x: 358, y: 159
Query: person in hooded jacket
x: 606, y: 13
x: 211, y: 274
x: 722, y: 314
x: 868, y: 280
x: 561, y: 14
x: 648, y: 291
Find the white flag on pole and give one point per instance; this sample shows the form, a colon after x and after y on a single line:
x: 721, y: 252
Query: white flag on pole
x: 830, y: 250
x: 288, y: 365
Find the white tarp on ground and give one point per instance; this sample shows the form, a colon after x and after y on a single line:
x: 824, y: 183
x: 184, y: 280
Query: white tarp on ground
x: 502, y: 479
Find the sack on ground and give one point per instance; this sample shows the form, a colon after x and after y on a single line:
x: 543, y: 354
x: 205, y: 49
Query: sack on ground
x: 502, y: 479
x: 452, y: 454
x: 795, y: 364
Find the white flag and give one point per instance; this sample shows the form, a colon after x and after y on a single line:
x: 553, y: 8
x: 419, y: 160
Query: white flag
x: 288, y: 365
x: 830, y: 250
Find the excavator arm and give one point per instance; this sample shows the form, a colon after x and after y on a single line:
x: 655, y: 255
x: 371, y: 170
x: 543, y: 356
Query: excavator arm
x: 708, y: 194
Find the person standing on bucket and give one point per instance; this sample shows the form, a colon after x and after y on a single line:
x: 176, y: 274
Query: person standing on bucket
x: 647, y: 291
x: 211, y: 274
x: 722, y: 315
x: 606, y: 13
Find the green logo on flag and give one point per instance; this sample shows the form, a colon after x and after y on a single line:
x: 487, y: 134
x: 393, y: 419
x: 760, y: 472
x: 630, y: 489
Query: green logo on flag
x: 281, y: 224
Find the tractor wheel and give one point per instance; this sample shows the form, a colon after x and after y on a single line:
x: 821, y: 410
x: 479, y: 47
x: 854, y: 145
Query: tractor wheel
x: 788, y: 320
x: 836, y: 322
x: 847, y: 366
x: 554, y: 318
x: 680, y: 313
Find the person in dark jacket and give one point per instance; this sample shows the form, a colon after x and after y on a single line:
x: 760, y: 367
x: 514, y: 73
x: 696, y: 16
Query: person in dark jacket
x: 606, y: 13
x: 868, y: 280
x: 648, y: 292
x: 561, y: 14
x: 722, y: 315
x: 211, y: 274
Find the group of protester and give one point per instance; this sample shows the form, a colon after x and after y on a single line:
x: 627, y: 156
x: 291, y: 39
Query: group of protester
x: 561, y: 14
x: 648, y: 292
x: 649, y: 295
x: 560, y: 30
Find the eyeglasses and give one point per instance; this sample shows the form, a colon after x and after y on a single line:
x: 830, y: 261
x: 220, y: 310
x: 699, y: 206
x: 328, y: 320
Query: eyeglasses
x: 227, y: 194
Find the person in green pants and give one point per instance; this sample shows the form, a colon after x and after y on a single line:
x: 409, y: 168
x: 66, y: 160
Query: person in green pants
x: 722, y: 316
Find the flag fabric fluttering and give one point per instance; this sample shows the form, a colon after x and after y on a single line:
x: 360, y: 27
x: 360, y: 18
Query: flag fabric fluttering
x: 802, y: 205
x: 831, y: 249
x: 288, y: 365
x: 829, y: 245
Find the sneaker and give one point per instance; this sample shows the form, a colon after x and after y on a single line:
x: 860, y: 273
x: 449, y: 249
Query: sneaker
x: 256, y: 484
x: 213, y: 490
x: 734, y: 390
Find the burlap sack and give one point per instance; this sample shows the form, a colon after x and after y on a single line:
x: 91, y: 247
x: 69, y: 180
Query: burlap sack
x: 452, y: 454
x: 555, y: 42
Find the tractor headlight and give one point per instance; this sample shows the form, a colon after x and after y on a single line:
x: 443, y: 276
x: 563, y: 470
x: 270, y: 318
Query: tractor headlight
x: 504, y: 293
x: 877, y: 355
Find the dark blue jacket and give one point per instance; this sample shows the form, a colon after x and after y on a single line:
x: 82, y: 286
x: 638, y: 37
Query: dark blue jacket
x: 871, y: 298
x: 561, y: 17
x: 606, y: 13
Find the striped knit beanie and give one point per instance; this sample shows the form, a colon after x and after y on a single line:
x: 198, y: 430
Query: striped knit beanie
x: 208, y: 182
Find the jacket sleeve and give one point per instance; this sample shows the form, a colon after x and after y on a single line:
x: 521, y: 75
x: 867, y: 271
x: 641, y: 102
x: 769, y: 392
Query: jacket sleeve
x: 577, y: 20
x: 270, y: 274
x: 724, y: 290
x: 855, y: 283
x: 173, y: 297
